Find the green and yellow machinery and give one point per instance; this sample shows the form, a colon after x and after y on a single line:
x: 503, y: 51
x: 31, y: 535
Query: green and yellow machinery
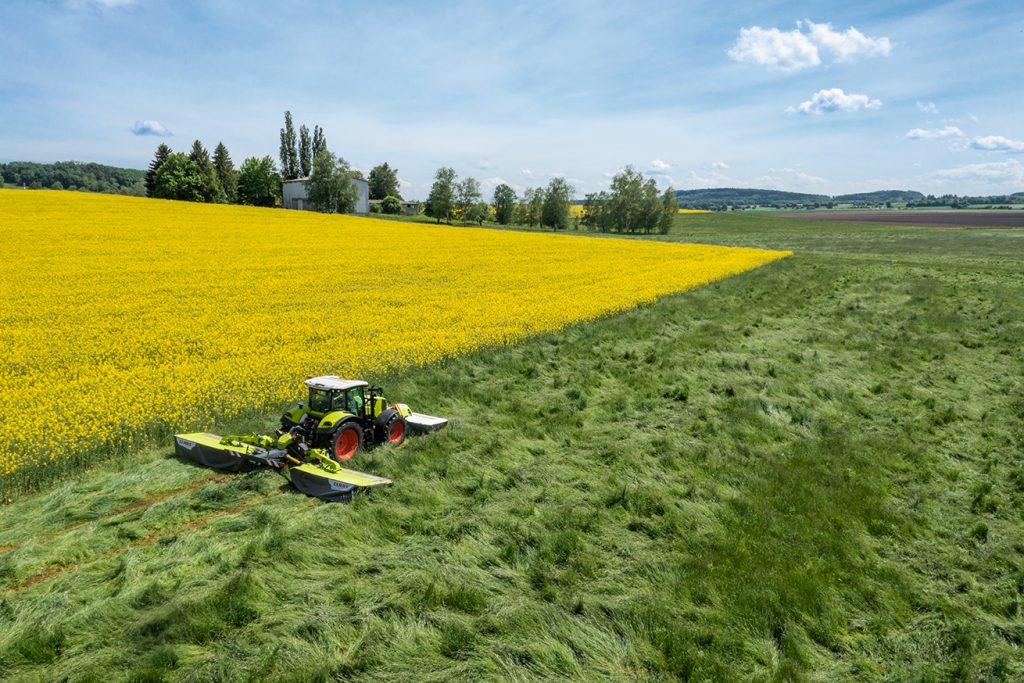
x: 316, y: 437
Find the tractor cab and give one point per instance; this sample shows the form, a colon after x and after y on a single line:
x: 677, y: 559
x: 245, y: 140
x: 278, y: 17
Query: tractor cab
x: 329, y: 394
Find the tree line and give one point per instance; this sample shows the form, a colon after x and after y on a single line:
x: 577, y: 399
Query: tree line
x: 73, y: 175
x: 632, y: 204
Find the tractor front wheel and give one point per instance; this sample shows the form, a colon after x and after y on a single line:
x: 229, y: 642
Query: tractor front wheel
x: 347, y: 442
x: 396, y: 430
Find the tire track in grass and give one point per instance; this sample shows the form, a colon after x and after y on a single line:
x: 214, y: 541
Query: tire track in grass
x: 148, y: 501
x: 58, y: 570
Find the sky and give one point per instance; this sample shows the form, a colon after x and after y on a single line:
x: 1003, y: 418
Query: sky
x: 816, y: 97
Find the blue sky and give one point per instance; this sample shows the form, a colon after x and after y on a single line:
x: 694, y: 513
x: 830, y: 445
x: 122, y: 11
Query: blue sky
x: 788, y: 95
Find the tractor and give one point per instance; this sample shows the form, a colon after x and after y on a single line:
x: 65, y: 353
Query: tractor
x: 341, y: 418
x: 344, y: 416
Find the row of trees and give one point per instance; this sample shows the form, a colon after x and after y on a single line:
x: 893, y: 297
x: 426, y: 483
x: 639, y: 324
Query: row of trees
x: 298, y: 153
x: 452, y: 199
x: 198, y: 177
x: 73, y: 175
x: 632, y: 204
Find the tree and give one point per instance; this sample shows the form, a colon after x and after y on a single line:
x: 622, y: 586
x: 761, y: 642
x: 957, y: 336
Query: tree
x: 288, y: 152
x: 226, y: 174
x: 669, y: 209
x: 555, y: 211
x: 467, y: 194
x: 162, y: 152
x: 442, y: 195
x: 504, y: 203
x: 477, y: 213
x: 305, y: 152
x: 533, y: 205
x: 319, y: 141
x: 384, y: 182
x: 391, y: 204
x: 178, y: 178
x: 330, y: 188
x: 212, y: 191
x: 258, y: 182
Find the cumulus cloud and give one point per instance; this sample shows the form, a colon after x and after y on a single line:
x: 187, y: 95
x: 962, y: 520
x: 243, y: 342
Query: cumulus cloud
x: 935, y: 133
x: 999, y: 172
x: 659, y: 167
x: 719, y: 165
x: 151, y: 128
x: 527, y: 173
x: 808, y: 45
x: 834, y: 99
x: 927, y: 108
x: 997, y: 143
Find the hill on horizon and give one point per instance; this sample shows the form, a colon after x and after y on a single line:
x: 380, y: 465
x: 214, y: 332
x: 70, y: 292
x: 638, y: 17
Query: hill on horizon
x: 734, y: 196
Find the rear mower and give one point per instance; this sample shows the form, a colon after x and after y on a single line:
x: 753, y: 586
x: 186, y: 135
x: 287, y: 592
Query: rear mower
x: 343, y: 417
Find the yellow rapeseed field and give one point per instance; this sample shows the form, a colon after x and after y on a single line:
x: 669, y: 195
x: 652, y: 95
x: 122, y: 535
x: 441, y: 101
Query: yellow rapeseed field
x: 120, y: 314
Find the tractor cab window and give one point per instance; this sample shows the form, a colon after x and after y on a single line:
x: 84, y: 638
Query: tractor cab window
x: 319, y: 400
x: 355, y: 400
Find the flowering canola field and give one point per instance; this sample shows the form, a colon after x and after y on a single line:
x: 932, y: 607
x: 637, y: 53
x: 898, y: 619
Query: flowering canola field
x: 121, y: 314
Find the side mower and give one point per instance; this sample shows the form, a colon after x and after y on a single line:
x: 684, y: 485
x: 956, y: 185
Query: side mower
x: 342, y: 417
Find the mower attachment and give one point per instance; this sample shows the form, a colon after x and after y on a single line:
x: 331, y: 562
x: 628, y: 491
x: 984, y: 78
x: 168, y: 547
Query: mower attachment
x: 331, y: 486
x: 206, y: 449
x: 424, y: 424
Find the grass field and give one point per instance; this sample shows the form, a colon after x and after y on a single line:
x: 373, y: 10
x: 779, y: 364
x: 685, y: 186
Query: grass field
x: 810, y: 471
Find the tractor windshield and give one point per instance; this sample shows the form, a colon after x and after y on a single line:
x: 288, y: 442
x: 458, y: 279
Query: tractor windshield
x: 319, y: 400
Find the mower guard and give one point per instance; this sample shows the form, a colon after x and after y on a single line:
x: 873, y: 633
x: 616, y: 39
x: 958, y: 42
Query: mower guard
x: 331, y: 486
x: 424, y: 424
x: 205, y: 449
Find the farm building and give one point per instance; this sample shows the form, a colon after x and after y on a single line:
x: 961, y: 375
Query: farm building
x: 293, y: 195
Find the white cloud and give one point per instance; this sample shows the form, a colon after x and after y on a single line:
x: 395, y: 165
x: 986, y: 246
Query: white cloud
x: 1000, y: 172
x: 834, y: 99
x: 659, y: 165
x: 527, y: 173
x: 972, y: 117
x: 786, y: 50
x: 151, y: 128
x: 486, y: 165
x: 719, y: 165
x: 848, y: 45
x: 935, y: 133
x: 799, y: 49
x: 927, y: 108
x: 997, y: 143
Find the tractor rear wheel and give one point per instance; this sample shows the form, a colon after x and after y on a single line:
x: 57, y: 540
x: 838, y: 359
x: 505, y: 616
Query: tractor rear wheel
x: 348, y: 440
x: 396, y: 430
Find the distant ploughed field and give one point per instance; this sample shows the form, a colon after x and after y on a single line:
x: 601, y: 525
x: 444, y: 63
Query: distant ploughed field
x: 991, y: 219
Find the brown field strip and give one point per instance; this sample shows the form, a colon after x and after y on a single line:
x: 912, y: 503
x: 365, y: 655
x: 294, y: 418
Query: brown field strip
x: 57, y: 570
x: 971, y: 218
x: 152, y: 499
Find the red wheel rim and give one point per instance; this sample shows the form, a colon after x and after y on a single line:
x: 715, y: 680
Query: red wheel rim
x: 346, y: 445
x: 396, y: 432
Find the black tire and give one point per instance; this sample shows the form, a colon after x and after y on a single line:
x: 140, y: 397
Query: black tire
x: 346, y: 442
x: 396, y: 431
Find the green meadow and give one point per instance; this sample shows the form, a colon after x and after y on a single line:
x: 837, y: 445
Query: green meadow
x: 811, y: 471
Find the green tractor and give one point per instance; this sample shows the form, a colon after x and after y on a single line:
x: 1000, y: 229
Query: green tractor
x: 344, y: 416
x: 315, y: 438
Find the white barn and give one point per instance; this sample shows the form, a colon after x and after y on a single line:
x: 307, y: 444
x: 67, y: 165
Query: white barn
x: 293, y: 195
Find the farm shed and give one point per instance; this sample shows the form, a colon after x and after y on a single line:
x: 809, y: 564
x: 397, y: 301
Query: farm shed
x: 293, y: 195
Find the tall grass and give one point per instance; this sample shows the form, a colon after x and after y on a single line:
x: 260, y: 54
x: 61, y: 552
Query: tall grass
x: 811, y: 471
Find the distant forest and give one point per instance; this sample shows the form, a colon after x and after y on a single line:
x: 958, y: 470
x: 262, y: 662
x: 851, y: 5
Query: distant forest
x: 722, y: 199
x: 74, y: 175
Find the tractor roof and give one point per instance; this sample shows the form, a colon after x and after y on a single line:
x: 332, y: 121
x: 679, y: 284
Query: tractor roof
x: 334, y: 382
